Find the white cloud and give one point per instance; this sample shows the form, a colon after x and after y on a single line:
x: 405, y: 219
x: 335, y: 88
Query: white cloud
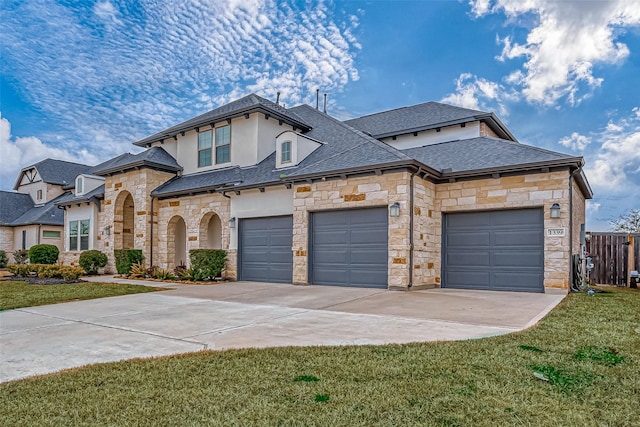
x: 168, y: 61
x: 479, y: 94
x: 20, y: 152
x: 576, y: 141
x: 592, y: 207
x: 564, y: 43
x: 615, y: 167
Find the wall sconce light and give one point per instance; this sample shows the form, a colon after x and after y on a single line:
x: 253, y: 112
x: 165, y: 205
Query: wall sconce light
x: 554, y: 212
x: 394, y: 210
x: 232, y: 222
x: 107, y: 230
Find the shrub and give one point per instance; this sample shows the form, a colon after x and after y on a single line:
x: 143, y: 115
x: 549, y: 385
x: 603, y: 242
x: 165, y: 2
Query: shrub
x: 91, y: 260
x: 164, y: 274
x: 3, y: 259
x: 21, y: 256
x: 138, y: 271
x: 48, y: 271
x: 207, y: 263
x: 43, y: 254
x: 125, y: 258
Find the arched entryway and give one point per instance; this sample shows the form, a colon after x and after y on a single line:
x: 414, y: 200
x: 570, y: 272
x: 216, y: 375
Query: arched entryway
x: 124, y: 221
x: 211, y: 231
x: 176, y: 242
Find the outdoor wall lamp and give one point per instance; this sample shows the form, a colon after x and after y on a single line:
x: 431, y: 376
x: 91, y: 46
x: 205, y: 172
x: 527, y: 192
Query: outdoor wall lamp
x: 555, y: 211
x: 394, y: 210
x: 107, y: 230
x: 232, y: 222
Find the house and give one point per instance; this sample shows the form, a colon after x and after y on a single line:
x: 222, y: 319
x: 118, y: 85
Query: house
x: 421, y: 196
x: 29, y: 214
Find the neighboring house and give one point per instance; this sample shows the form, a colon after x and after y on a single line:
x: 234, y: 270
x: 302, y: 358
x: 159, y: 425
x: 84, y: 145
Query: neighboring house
x: 421, y: 196
x: 29, y: 215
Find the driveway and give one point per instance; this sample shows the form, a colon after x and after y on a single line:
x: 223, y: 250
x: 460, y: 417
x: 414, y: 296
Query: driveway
x: 187, y: 318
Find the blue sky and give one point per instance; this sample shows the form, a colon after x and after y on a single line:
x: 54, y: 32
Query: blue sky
x: 81, y: 80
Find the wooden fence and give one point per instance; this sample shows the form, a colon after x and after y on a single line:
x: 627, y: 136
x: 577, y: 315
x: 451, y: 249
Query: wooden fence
x: 610, y: 256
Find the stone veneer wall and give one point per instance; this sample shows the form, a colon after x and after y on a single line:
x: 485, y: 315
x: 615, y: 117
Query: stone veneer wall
x: 426, y: 235
x: 368, y: 191
x: 139, y: 183
x: 6, y: 241
x: 485, y: 130
x: 535, y: 190
x: 579, y: 217
x: 196, y: 212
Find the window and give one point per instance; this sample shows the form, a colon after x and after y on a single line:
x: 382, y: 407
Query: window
x: 50, y: 234
x: 39, y: 195
x: 286, y: 152
x: 223, y: 144
x: 204, y: 149
x: 79, y: 235
x: 79, y: 185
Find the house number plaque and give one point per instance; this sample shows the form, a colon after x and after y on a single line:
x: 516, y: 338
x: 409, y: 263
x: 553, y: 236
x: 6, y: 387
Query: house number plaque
x: 556, y: 232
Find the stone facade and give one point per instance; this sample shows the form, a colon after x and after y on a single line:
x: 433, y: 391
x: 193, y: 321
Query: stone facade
x: 368, y: 191
x: 534, y: 190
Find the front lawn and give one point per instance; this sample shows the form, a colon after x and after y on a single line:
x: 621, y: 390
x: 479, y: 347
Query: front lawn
x: 16, y: 294
x: 579, y: 367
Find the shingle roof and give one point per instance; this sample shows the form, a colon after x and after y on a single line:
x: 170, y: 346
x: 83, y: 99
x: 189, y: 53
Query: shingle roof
x: 54, y: 171
x: 345, y: 147
x: 70, y: 198
x: 13, y: 205
x: 483, y: 153
x: 154, y: 157
x: 47, y: 214
x: 420, y: 117
x: 202, y: 181
x: 245, y: 105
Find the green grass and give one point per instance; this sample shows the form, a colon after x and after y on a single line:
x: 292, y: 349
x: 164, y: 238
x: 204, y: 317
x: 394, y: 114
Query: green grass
x: 487, y: 382
x: 16, y: 294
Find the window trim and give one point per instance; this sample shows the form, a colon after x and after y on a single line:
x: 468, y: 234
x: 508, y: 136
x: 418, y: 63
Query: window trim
x: 39, y: 194
x: 79, y: 185
x: 209, y: 149
x: 289, y: 145
x: 79, y: 235
x: 222, y: 146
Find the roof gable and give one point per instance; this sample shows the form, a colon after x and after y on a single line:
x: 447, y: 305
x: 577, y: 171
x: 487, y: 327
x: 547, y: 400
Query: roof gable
x: 52, y: 171
x: 245, y: 105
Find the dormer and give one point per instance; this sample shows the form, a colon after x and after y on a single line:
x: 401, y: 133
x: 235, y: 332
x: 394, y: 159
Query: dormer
x: 292, y: 148
x: 86, y: 183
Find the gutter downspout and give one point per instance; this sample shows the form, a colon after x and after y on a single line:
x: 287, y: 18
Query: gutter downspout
x: 151, y: 233
x: 413, y: 174
x: 571, y: 227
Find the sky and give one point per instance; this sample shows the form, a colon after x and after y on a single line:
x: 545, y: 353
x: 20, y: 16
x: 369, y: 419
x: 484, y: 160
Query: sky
x: 82, y: 80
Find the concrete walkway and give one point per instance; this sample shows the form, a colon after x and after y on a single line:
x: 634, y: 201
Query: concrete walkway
x: 185, y: 318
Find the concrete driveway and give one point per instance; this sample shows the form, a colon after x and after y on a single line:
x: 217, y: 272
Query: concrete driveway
x: 187, y: 318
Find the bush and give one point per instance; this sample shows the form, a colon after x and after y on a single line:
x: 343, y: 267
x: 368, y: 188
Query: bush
x: 92, y: 260
x: 21, y: 256
x: 207, y: 263
x: 46, y: 271
x: 43, y: 254
x: 3, y: 259
x: 125, y: 258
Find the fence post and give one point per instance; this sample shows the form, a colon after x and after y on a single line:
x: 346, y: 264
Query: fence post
x: 630, y: 258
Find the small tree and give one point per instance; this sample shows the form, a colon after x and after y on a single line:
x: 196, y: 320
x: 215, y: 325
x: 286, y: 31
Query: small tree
x: 3, y: 259
x: 627, y: 223
x: 21, y: 256
x: 43, y: 254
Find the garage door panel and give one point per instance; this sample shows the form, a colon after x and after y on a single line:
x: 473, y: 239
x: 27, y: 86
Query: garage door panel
x: 499, y: 250
x: 527, y: 282
x: 517, y: 259
x: 468, y: 258
x: 469, y: 239
x: 349, y: 247
x: 518, y: 238
x: 265, y: 249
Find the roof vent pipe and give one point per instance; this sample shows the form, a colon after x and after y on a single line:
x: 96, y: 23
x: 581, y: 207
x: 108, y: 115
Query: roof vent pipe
x: 317, y: 97
x: 278, y: 97
x: 325, y: 103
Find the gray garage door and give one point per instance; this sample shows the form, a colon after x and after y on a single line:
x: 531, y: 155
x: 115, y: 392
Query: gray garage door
x: 497, y: 250
x: 265, y: 249
x: 349, y: 248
